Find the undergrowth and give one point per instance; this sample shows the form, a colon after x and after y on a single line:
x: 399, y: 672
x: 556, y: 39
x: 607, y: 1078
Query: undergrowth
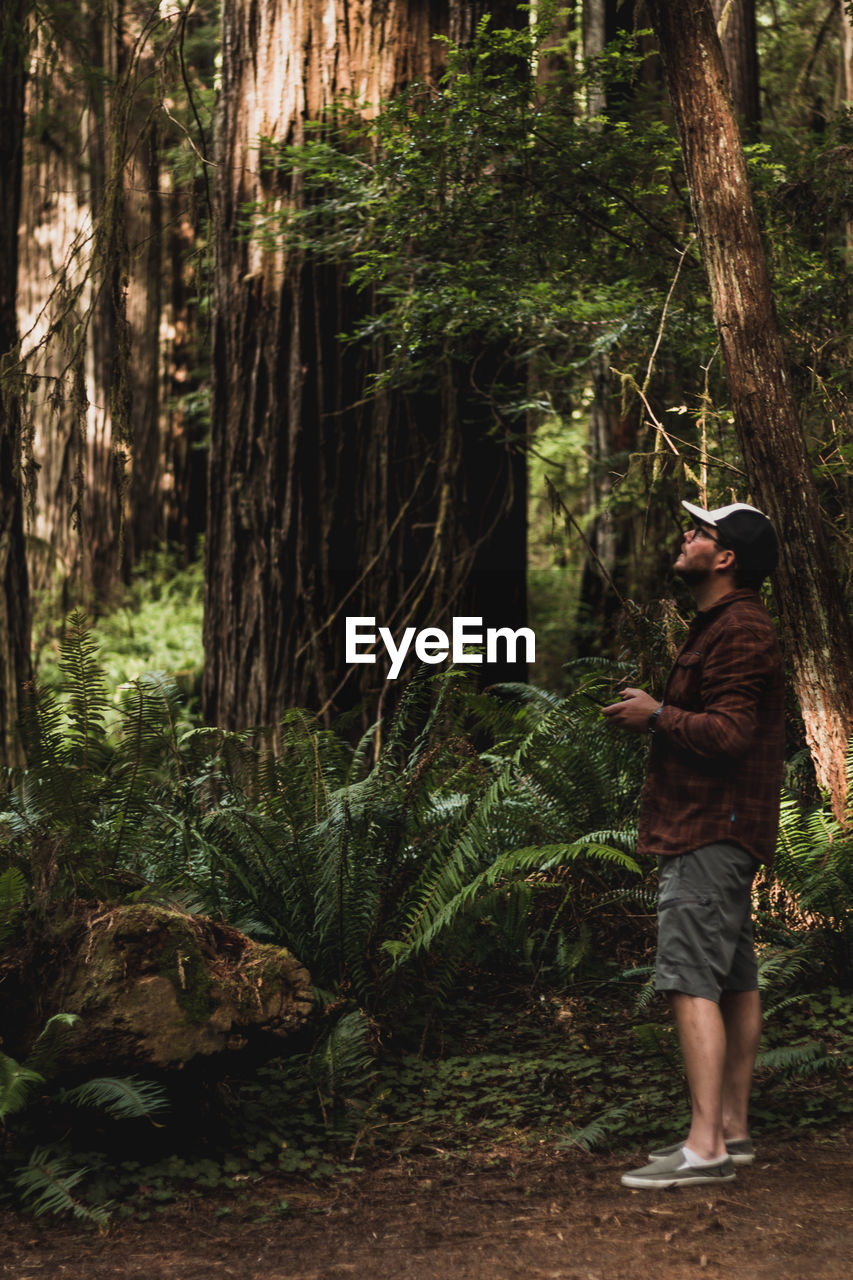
x: 554, y: 1072
x: 465, y: 899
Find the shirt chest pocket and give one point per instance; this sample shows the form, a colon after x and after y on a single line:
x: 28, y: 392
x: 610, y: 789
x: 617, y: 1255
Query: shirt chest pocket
x: 686, y: 681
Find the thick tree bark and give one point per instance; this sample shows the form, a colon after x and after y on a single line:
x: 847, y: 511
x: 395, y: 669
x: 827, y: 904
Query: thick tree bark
x: 736, y: 29
x: 90, y: 293
x: 816, y: 627
x: 143, y: 212
x: 75, y: 530
x: 847, y: 92
x: 322, y: 504
x: 14, y: 591
x: 846, y: 52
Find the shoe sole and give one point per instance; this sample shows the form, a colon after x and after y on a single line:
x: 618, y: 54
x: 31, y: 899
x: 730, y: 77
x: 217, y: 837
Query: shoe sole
x: 742, y: 1157
x: 671, y: 1180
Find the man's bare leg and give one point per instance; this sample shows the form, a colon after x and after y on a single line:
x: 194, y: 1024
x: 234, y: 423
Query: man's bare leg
x: 702, y: 1036
x: 741, y: 1012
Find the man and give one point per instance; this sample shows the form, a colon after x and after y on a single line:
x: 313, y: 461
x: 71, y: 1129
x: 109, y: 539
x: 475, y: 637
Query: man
x: 710, y: 814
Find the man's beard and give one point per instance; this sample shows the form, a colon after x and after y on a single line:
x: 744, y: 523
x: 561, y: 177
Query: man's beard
x: 693, y: 577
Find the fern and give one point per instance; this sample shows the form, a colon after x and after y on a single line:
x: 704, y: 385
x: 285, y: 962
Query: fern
x: 798, y: 1059
x: 500, y: 876
x: 415, y: 837
x: 88, y: 702
x: 47, y: 1184
x: 46, y: 1048
x: 16, y: 1086
x: 596, y: 1131
x: 124, y: 1098
x: 808, y: 903
x: 343, y: 1065
x: 13, y: 889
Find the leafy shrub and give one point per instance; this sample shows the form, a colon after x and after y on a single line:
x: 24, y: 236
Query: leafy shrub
x: 49, y: 1181
x: 366, y: 862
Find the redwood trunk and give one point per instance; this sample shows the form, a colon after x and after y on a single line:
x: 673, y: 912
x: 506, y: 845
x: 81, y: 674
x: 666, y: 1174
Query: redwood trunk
x: 95, y: 419
x: 14, y: 592
x: 815, y: 625
x: 321, y: 503
x: 736, y: 30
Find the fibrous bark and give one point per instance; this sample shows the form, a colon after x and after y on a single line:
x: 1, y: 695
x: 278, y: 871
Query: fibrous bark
x: 14, y: 588
x: 322, y: 502
x: 816, y: 628
x: 736, y: 29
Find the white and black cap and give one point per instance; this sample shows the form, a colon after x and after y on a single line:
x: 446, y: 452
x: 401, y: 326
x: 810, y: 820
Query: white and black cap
x: 744, y: 530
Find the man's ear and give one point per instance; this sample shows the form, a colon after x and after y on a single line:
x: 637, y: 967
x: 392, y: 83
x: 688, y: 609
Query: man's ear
x: 726, y: 560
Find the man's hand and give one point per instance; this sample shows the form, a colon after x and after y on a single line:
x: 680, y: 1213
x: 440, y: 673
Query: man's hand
x: 633, y: 712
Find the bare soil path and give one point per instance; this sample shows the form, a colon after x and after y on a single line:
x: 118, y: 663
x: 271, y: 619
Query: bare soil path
x: 490, y: 1215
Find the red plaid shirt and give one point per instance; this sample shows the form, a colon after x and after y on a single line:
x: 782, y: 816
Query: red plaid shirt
x: 715, y: 767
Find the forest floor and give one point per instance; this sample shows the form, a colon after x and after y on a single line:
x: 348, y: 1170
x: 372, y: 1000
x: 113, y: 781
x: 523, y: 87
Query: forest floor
x: 491, y: 1214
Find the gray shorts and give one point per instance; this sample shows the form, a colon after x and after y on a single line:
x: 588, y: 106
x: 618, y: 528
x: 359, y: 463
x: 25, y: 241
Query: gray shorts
x: 705, y: 941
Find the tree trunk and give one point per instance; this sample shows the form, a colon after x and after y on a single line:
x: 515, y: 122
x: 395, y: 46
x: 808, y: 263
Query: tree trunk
x: 846, y: 51
x: 90, y: 293
x: 847, y: 93
x: 63, y: 310
x: 736, y: 30
x: 143, y: 214
x: 14, y: 590
x: 323, y: 504
x: 815, y: 625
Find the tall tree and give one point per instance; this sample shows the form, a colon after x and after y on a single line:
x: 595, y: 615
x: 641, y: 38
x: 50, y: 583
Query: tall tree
x: 846, y: 50
x: 737, y: 31
x: 94, y: 279
x: 14, y: 593
x: 72, y: 230
x: 323, y: 503
x: 816, y: 626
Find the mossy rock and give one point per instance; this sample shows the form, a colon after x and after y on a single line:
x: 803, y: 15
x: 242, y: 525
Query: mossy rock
x: 156, y: 987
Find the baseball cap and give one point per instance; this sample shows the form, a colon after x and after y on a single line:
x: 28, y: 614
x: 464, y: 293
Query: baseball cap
x: 744, y: 530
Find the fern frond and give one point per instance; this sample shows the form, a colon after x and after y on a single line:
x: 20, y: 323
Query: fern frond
x: 124, y: 1097
x: 345, y: 1061
x: 48, y: 1182
x: 592, y: 1134
x: 87, y: 698
x: 501, y: 876
x: 13, y: 891
x: 16, y: 1086
x: 795, y: 1060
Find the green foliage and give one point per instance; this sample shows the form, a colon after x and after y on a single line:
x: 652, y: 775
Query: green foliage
x: 153, y: 624
x: 13, y: 889
x: 67, y: 820
x: 808, y: 906
x: 121, y: 1097
x: 492, y: 213
x: 47, y: 1184
x: 432, y: 851
x: 363, y: 862
x: 474, y: 834
x: 525, y: 223
x: 29, y: 1095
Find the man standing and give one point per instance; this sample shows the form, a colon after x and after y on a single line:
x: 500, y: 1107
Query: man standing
x: 710, y: 814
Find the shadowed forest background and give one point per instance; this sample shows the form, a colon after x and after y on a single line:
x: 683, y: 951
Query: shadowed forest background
x: 410, y: 311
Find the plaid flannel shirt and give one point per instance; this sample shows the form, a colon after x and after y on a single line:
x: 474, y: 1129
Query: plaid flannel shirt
x: 715, y: 766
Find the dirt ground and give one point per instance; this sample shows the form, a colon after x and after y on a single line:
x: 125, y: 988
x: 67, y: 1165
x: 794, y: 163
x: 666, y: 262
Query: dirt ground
x: 491, y: 1215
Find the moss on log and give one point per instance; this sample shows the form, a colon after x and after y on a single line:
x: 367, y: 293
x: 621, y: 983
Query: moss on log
x: 155, y: 987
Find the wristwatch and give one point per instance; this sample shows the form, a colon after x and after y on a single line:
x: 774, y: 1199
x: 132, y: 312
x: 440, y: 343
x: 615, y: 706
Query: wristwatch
x: 653, y: 719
